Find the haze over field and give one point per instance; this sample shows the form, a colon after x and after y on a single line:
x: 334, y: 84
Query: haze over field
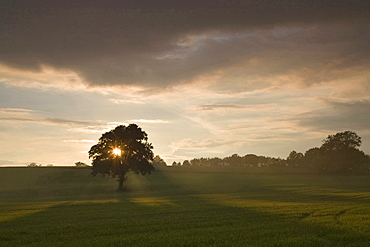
x: 202, y: 78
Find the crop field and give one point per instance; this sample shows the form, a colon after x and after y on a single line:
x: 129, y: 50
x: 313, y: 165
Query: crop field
x: 182, y: 206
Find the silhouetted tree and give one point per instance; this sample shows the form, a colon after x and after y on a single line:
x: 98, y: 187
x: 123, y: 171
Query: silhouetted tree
x: 216, y: 162
x: 33, y: 164
x: 80, y: 164
x: 234, y: 160
x: 119, y: 151
x: 158, y: 161
x: 312, y: 157
x: 341, y: 141
x: 251, y: 160
x: 197, y: 162
x: 339, y: 153
x: 174, y: 163
x: 186, y: 163
x: 294, y: 158
x: 275, y: 162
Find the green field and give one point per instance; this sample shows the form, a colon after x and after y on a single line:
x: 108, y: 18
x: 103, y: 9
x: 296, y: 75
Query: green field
x: 182, y: 207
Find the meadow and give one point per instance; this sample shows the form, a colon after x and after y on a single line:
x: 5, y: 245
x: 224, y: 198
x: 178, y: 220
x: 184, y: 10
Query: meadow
x: 182, y: 206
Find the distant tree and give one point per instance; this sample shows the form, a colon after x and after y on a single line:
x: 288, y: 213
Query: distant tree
x: 119, y: 151
x: 49, y: 165
x: 216, y: 162
x: 340, y: 153
x: 234, y: 160
x: 33, y: 164
x: 186, y: 163
x: 174, y: 163
x: 312, y: 157
x: 80, y: 164
x: 341, y: 141
x: 197, y: 162
x: 277, y: 162
x: 158, y: 161
x: 251, y: 160
x: 294, y: 158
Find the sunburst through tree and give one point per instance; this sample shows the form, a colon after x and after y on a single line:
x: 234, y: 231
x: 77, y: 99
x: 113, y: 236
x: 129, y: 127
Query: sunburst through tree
x: 119, y: 151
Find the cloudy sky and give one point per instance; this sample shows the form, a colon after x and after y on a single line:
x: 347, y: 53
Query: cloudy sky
x: 203, y: 78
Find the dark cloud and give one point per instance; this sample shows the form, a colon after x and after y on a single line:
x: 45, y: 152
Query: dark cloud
x: 338, y: 116
x: 159, y: 43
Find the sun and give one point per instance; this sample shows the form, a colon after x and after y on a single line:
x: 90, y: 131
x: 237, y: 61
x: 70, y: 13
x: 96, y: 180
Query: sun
x: 117, y: 152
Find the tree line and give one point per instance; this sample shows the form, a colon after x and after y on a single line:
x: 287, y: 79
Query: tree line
x: 338, y: 153
x: 77, y: 164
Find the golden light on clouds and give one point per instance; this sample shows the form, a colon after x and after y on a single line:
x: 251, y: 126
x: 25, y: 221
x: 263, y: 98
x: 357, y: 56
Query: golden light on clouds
x: 214, y: 78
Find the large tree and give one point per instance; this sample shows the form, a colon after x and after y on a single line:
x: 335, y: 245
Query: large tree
x: 119, y: 151
x: 340, y: 153
x: 341, y: 141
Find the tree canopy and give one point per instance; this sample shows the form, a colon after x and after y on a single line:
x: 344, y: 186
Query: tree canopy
x: 340, y: 153
x: 121, y: 150
x: 341, y: 141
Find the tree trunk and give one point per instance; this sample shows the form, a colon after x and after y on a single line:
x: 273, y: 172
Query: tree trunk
x: 120, y: 182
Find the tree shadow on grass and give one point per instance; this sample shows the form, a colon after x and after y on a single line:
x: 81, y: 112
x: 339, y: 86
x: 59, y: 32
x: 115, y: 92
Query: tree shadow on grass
x: 166, y: 221
x: 291, y: 188
x: 167, y: 213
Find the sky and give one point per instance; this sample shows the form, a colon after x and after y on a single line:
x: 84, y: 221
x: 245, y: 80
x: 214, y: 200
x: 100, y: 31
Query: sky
x: 202, y: 78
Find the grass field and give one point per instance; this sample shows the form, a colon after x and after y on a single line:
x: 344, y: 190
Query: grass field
x: 182, y: 207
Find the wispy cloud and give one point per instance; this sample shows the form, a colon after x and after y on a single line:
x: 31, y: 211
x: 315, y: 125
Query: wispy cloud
x: 220, y: 106
x: 152, y: 121
x: 27, y: 115
x: 15, y: 115
x: 45, y: 77
x: 207, y: 147
x: 191, y: 144
x: 48, y: 121
x: 15, y: 110
x: 79, y: 141
x: 126, y: 101
x: 97, y: 127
